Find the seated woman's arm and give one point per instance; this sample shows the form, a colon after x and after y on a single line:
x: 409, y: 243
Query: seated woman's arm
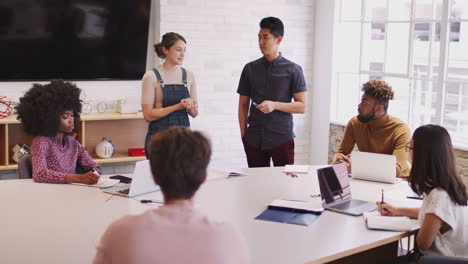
x: 86, y: 161
x: 428, y: 231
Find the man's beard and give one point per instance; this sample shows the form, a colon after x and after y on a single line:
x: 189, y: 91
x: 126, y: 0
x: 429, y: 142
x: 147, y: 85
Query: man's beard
x: 367, y: 118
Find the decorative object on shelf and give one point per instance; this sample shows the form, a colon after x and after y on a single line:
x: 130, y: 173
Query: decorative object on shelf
x: 86, y: 108
x: 98, y: 106
x: 19, y: 151
x: 136, y: 152
x: 101, y: 107
x: 105, y: 149
x: 127, y: 105
x: 5, y: 107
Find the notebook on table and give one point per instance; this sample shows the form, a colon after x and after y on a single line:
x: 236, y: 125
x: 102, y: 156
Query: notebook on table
x: 335, y: 191
x: 142, y: 182
x: 373, y: 167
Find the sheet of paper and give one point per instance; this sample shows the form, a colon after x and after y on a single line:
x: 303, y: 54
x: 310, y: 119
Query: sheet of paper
x: 296, y: 168
x: 102, y: 183
x: 215, y: 173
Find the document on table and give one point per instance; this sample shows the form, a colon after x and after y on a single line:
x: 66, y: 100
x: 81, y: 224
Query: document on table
x: 296, y: 168
x: 313, y: 206
x: 102, y: 183
x: 214, y: 173
x: 392, y: 223
x: 292, y: 212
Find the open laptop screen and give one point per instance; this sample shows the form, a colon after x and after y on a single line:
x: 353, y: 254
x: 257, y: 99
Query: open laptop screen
x: 334, y: 184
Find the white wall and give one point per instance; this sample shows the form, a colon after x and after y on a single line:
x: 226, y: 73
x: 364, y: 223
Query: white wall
x: 222, y: 38
x: 322, y: 80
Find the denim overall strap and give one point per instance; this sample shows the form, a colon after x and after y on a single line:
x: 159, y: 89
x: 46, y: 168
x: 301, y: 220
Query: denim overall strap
x: 158, y: 76
x: 184, y: 76
x: 172, y: 94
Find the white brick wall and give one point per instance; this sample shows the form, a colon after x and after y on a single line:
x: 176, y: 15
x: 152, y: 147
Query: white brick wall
x: 222, y: 38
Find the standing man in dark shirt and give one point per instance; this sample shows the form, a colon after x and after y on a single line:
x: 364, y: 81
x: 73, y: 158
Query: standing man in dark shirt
x: 266, y: 87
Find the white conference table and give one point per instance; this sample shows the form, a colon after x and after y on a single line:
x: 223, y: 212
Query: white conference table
x: 54, y: 223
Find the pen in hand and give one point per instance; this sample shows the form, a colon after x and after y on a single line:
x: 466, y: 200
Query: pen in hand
x: 382, y: 201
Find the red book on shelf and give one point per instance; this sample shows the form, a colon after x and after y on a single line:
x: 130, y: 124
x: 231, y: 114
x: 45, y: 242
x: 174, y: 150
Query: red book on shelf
x: 136, y: 152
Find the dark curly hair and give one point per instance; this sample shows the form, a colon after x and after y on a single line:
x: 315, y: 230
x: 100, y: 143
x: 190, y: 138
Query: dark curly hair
x: 380, y: 90
x: 40, y: 108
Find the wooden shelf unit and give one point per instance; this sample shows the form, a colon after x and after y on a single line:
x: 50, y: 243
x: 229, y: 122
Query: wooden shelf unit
x: 124, y: 130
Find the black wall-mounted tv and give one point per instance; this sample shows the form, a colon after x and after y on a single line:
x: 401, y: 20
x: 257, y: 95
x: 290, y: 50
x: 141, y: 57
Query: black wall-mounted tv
x: 73, y: 39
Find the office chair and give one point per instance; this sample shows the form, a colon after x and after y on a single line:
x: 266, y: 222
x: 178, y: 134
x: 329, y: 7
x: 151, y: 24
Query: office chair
x: 24, y: 167
x: 442, y: 260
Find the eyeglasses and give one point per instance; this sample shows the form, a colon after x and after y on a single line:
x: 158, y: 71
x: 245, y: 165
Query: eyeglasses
x: 408, y: 147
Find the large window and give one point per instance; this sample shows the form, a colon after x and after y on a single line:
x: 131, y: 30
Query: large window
x: 420, y: 47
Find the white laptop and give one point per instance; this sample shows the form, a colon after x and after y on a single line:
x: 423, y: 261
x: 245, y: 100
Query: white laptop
x: 373, y: 167
x: 142, y: 182
x: 335, y: 191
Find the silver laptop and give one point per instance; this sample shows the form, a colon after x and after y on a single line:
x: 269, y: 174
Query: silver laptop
x: 335, y: 191
x: 142, y: 182
x: 373, y: 167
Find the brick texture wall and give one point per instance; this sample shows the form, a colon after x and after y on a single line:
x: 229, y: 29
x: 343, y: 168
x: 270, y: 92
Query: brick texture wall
x: 221, y: 39
x: 337, y: 131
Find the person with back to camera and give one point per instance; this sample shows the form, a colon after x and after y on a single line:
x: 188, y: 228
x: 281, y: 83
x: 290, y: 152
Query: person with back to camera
x: 169, y: 91
x: 176, y: 232
x: 374, y: 130
x: 50, y: 113
x: 443, y: 215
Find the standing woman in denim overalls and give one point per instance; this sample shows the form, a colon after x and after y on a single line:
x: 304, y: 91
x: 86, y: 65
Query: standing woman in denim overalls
x: 169, y: 92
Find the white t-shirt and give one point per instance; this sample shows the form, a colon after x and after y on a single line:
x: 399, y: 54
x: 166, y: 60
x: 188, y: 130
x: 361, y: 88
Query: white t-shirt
x: 455, y: 241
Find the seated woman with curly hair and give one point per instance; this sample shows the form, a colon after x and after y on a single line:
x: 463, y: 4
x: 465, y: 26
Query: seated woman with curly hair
x: 50, y: 113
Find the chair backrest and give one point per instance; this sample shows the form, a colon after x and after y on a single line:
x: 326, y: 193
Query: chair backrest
x: 442, y: 260
x: 24, y: 167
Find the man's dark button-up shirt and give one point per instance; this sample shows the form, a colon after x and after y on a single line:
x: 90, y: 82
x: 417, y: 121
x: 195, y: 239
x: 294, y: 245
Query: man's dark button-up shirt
x: 276, y: 81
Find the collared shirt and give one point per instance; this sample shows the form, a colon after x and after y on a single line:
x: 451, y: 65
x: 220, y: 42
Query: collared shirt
x: 54, y: 157
x: 386, y: 135
x: 175, y: 234
x: 276, y: 81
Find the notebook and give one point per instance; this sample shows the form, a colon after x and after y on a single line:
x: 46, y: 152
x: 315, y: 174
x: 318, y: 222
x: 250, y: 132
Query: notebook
x: 335, y: 191
x: 142, y: 182
x: 392, y: 223
x: 373, y: 167
x: 296, y: 168
x: 102, y: 183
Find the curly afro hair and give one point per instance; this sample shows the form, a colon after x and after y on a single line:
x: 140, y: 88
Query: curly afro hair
x: 40, y: 108
x: 380, y: 90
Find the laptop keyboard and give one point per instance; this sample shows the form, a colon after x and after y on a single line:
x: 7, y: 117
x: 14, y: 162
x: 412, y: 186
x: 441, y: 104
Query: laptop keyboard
x: 349, y: 204
x: 126, y: 191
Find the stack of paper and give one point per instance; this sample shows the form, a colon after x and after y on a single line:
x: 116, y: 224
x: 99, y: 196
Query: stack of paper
x: 393, y: 223
x: 102, y: 183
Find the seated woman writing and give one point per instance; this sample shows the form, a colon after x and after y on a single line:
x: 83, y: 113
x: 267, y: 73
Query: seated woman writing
x: 443, y: 215
x: 50, y: 113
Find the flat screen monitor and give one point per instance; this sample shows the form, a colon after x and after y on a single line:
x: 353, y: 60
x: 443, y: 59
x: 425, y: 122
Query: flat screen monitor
x: 73, y: 39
